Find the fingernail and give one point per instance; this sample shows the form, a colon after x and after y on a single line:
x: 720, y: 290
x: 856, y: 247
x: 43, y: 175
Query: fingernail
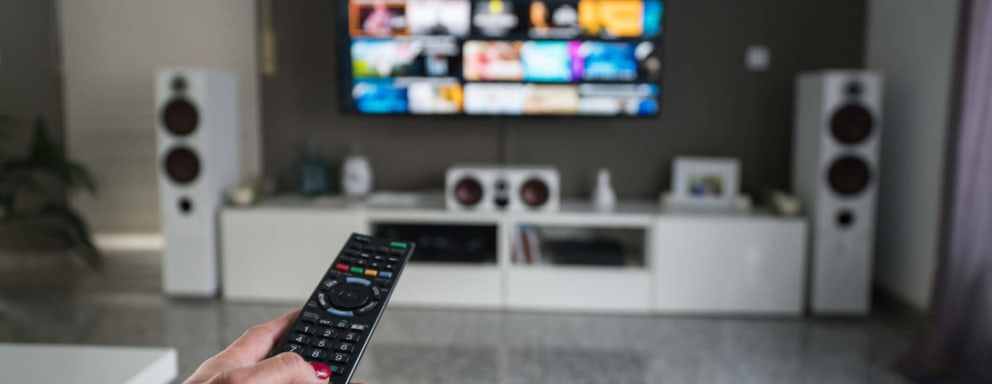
x: 322, y: 371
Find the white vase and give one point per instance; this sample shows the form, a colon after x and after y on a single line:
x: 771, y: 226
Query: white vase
x: 603, y: 196
x: 356, y: 176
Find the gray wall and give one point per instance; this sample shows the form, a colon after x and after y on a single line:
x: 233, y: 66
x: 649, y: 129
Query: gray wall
x: 711, y: 106
x: 912, y: 42
x: 29, y: 84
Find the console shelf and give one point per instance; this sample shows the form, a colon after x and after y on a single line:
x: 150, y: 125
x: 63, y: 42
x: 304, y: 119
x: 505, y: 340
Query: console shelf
x: 634, y: 259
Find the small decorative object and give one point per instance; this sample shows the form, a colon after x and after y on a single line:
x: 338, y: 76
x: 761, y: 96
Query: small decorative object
x: 356, y: 175
x: 705, y: 182
x: 315, y: 174
x: 603, y: 196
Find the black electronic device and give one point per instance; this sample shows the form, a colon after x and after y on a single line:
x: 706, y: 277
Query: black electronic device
x: 338, y: 319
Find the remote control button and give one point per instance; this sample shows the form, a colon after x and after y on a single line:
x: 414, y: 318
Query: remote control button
x: 340, y: 313
x: 325, y: 322
x: 316, y: 354
x: 323, y: 343
x: 347, y: 259
x: 310, y: 316
x: 362, y: 238
x: 371, y: 272
x: 368, y: 307
x: 358, y: 280
x: 390, y: 267
x: 306, y: 328
x: 311, y: 304
x: 397, y: 244
x: 378, y: 257
x: 337, y: 370
x: 375, y: 265
x: 388, y: 275
x: 397, y: 252
x: 361, y: 262
x: 327, y: 332
x: 351, y: 251
x: 357, y: 270
x: 394, y: 260
x: 295, y: 348
x: 340, y: 358
x: 343, y: 324
x: 345, y: 347
x: 365, y: 256
x: 341, y: 267
x: 375, y: 293
x: 359, y: 327
x: 302, y: 339
x: 350, y: 296
x: 351, y: 337
x: 322, y: 299
x: 368, y: 247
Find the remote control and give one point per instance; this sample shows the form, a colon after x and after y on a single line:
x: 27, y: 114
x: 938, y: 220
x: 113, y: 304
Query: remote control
x: 337, y: 322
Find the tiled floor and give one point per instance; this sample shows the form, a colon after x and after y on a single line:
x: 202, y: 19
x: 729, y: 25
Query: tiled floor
x: 46, y: 298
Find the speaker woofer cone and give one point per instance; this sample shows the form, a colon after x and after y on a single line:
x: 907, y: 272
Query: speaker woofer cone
x: 180, y: 117
x: 849, y: 176
x: 851, y: 124
x: 182, y: 165
x: 534, y: 193
x: 468, y: 191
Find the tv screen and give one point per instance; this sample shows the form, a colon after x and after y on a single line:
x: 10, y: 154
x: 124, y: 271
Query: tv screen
x: 501, y: 57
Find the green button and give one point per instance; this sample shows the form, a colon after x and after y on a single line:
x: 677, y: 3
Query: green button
x: 397, y: 244
x: 336, y: 369
x: 357, y: 270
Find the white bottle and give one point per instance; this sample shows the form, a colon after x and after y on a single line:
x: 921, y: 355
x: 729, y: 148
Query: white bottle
x: 356, y: 175
x: 603, y: 196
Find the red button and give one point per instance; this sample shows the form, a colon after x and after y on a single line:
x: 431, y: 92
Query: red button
x: 341, y: 267
x: 322, y: 371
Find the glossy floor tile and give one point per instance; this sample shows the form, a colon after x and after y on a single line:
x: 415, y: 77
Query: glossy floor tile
x: 48, y: 298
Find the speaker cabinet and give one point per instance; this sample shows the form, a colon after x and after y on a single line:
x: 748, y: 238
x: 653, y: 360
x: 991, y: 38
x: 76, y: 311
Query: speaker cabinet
x: 502, y: 188
x: 197, y: 140
x: 835, y: 174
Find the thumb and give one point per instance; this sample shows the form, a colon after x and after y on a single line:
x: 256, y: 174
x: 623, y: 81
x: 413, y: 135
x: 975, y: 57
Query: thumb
x: 287, y: 368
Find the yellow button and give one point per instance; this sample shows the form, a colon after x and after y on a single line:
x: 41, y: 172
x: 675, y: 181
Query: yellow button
x: 371, y: 272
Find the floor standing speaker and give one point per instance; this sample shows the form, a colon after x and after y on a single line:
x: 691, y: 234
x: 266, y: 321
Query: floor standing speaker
x: 835, y: 174
x: 197, y: 136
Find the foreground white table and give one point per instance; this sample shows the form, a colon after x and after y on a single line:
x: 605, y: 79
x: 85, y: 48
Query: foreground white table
x: 79, y: 364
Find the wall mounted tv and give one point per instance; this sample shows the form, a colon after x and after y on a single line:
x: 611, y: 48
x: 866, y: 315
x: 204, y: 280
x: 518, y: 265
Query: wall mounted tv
x: 501, y: 57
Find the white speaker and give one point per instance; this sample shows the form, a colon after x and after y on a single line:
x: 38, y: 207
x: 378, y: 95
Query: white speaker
x: 495, y: 188
x: 835, y: 174
x: 197, y: 135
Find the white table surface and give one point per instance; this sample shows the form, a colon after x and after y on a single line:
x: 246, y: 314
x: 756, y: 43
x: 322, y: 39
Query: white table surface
x: 80, y: 364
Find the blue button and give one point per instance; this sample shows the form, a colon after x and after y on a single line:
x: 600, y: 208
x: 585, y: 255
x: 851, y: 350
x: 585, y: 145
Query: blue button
x: 358, y: 280
x: 340, y: 313
x: 388, y: 275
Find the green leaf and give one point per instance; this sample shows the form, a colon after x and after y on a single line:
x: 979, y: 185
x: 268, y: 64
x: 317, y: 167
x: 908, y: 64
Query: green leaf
x: 72, y: 229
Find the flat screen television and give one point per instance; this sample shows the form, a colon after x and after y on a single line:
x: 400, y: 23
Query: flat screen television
x: 501, y: 57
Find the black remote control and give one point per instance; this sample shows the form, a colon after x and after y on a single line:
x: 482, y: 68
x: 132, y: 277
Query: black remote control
x: 337, y: 322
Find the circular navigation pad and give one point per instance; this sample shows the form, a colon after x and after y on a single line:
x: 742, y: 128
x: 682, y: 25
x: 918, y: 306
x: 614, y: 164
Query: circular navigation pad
x: 349, y: 296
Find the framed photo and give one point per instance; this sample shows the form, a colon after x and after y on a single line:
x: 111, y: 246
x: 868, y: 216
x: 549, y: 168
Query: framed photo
x: 705, y: 181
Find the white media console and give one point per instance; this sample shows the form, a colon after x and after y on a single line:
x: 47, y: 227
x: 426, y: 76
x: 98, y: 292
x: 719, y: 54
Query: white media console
x: 693, y: 263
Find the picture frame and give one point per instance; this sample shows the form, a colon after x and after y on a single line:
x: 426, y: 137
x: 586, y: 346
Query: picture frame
x: 705, y: 181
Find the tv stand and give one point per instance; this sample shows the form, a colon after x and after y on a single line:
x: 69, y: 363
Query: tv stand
x: 669, y: 262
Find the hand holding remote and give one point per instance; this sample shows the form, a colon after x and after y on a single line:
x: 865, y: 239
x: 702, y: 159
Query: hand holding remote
x: 244, y: 361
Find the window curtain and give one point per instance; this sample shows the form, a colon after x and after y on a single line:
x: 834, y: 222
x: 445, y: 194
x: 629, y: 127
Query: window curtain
x: 957, y: 344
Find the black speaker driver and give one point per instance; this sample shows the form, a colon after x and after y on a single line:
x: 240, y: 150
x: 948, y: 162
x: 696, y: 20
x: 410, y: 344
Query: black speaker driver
x: 181, y: 165
x: 180, y: 117
x: 468, y: 191
x: 534, y: 193
x: 851, y: 124
x: 849, y: 176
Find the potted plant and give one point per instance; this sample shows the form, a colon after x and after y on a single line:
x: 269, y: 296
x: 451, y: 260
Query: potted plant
x: 23, y: 181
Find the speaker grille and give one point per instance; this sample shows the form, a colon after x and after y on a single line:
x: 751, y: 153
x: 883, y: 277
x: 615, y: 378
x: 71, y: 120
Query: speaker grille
x: 849, y: 176
x: 851, y: 124
x: 182, y: 165
x: 534, y: 193
x: 180, y: 117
